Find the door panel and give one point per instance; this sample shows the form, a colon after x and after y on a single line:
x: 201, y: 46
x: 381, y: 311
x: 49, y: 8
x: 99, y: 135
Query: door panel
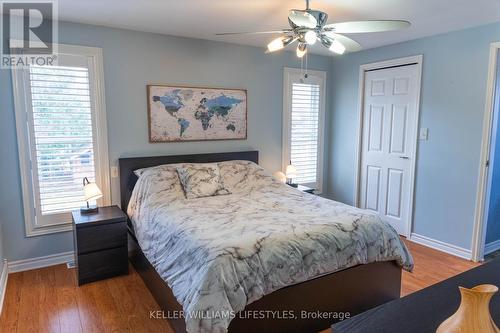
x: 394, y: 195
x: 373, y: 188
x: 398, y: 129
x: 378, y: 87
x: 376, y: 127
x: 389, y: 133
x: 401, y: 85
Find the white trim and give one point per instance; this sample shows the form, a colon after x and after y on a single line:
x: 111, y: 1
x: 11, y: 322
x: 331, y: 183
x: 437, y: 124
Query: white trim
x: 21, y: 101
x: 101, y: 128
x: 492, y: 247
x: 418, y: 59
x: 441, y: 246
x: 3, y: 283
x: 285, y: 151
x: 479, y: 234
x: 40, y: 262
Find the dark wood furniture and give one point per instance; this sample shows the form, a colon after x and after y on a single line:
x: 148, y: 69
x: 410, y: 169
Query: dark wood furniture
x: 351, y: 290
x: 424, y: 310
x: 100, y: 241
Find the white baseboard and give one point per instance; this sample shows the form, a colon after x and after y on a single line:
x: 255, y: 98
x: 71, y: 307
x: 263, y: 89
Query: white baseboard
x: 3, y: 283
x: 39, y: 262
x: 441, y: 246
x: 492, y: 247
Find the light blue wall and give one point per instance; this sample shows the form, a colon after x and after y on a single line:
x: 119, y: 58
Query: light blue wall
x: 452, y: 107
x: 131, y: 61
x: 493, y: 226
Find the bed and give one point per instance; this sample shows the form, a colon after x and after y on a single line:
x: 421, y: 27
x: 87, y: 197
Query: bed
x: 271, y: 285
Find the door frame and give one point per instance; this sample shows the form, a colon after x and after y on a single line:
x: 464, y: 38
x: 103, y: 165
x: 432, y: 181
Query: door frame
x: 417, y: 60
x: 479, y: 232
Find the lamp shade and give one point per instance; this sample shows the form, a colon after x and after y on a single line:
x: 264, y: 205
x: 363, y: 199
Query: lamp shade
x: 275, y: 45
x: 92, y: 192
x: 291, y: 171
x: 280, y: 176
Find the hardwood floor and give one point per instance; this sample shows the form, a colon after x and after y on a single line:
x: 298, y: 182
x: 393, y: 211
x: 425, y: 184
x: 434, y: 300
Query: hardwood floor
x: 431, y: 267
x: 48, y: 300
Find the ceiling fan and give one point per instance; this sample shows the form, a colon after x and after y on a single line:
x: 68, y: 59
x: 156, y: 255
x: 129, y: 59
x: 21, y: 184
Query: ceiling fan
x: 309, y: 25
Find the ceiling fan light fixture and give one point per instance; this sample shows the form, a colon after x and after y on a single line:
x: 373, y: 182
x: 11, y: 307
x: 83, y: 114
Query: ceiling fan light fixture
x: 279, y: 43
x: 309, y: 25
x: 301, y: 50
x: 310, y: 37
x: 275, y: 45
x: 337, y: 47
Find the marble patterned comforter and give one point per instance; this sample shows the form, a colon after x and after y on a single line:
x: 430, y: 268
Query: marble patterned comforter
x: 220, y: 253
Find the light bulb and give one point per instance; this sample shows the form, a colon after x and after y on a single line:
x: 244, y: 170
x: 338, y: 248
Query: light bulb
x: 275, y: 45
x: 337, y: 47
x: 310, y: 37
x: 301, y: 50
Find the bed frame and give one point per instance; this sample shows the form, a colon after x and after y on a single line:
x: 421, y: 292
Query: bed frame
x: 352, y: 290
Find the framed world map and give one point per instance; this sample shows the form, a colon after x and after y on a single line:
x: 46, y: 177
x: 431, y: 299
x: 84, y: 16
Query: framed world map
x: 196, y: 114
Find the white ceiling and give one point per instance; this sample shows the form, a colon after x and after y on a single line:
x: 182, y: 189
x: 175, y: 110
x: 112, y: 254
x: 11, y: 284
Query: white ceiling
x: 203, y: 18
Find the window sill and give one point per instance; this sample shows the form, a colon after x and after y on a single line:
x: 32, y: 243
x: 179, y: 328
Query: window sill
x: 49, y: 229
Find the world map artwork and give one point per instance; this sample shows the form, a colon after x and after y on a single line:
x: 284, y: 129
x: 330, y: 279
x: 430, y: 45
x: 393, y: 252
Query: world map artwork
x: 189, y: 114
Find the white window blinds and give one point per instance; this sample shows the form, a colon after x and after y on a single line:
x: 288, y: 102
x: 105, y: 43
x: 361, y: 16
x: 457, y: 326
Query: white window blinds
x: 62, y: 136
x: 303, y: 119
x: 62, y: 131
x: 304, y: 131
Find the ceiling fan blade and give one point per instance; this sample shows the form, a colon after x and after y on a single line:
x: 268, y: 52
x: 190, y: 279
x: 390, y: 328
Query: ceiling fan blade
x: 302, y: 18
x: 350, y: 44
x: 356, y: 27
x: 254, y: 32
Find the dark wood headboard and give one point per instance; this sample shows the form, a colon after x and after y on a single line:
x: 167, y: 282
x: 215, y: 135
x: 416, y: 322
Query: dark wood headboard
x: 128, y: 165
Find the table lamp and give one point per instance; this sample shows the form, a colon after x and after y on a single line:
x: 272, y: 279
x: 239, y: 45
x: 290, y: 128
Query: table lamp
x: 91, y: 193
x: 291, y: 172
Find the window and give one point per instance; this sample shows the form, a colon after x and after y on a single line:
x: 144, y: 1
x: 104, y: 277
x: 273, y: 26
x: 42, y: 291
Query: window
x: 62, y: 136
x: 303, y: 121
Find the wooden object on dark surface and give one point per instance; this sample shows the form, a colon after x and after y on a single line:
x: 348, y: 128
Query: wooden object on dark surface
x: 473, y: 315
x: 100, y: 242
x: 352, y: 290
x: 424, y: 310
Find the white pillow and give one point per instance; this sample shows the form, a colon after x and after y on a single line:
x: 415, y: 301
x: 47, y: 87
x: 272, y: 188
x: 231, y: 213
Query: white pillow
x: 201, y: 180
x: 241, y: 176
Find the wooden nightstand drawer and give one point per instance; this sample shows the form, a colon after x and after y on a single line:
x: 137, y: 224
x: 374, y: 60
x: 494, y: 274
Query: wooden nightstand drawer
x: 101, y: 237
x: 101, y: 265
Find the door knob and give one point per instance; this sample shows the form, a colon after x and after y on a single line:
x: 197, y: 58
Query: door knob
x: 404, y: 157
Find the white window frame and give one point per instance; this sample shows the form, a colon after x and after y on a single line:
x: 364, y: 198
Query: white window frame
x: 289, y: 74
x: 22, y: 103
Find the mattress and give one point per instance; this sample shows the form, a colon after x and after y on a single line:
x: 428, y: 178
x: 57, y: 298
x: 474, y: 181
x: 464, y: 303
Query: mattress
x: 220, y: 253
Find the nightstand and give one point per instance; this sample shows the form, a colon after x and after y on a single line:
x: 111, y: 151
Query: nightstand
x: 100, y: 241
x: 305, y: 189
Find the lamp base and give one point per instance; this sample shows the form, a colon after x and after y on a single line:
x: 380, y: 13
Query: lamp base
x: 89, y: 210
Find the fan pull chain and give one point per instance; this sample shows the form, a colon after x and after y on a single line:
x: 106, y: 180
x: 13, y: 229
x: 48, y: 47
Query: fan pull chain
x: 302, y: 66
x: 307, y: 57
x: 303, y: 69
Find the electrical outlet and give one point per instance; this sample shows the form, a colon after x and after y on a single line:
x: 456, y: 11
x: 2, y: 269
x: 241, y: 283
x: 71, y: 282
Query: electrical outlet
x: 424, y: 133
x: 114, y: 172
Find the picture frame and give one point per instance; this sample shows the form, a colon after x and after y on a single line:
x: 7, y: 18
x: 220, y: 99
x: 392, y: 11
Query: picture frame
x: 178, y: 113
